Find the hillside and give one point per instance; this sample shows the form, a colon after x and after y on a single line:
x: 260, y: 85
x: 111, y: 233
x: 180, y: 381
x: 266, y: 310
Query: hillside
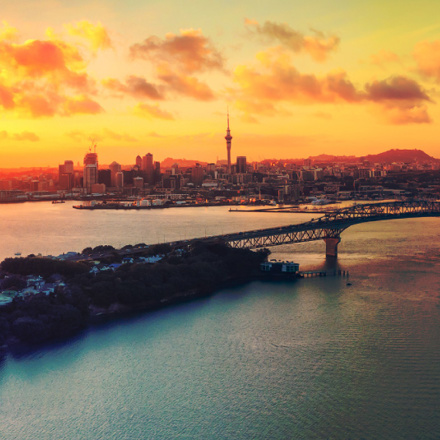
x: 396, y: 155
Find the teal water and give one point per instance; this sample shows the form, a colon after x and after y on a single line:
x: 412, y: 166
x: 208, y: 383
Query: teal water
x: 312, y: 359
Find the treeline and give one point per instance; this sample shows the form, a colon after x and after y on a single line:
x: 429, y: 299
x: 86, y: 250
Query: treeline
x: 42, y: 266
x: 202, y: 269
x: 41, y: 318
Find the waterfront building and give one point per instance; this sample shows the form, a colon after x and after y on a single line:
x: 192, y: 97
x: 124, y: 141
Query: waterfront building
x: 98, y: 188
x: 279, y: 267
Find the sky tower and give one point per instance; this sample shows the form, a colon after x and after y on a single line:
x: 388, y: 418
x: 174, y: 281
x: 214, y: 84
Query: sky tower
x: 228, y: 138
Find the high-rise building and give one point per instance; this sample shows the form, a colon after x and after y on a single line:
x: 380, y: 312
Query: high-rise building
x: 119, y: 179
x: 104, y: 176
x: 68, y: 166
x: 138, y: 182
x: 90, y: 174
x: 65, y: 175
x: 139, y: 162
x: 228, y: 138
x: 115, y: 168
x: 148, y: 168
x: 197, y: 174
x: 156, y: 172
x: 241, y: 164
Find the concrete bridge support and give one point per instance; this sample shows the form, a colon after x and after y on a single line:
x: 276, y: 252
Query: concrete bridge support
x: 331, y: 246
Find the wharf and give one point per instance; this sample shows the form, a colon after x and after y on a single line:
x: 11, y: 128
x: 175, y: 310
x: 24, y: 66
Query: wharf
x: 323, y: 273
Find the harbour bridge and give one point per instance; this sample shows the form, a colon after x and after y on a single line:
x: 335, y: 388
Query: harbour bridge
x: 330, y: 226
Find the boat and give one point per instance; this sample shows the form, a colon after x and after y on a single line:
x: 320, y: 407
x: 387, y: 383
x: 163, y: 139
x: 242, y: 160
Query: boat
x: 58, y: 201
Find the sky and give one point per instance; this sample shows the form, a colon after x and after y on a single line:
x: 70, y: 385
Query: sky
x: 139, y: 76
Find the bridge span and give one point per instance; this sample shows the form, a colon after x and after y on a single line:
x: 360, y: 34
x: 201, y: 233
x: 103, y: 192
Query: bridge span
x: 330, y: 226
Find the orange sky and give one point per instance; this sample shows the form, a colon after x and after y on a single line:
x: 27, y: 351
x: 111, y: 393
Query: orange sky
x: 299, y: 78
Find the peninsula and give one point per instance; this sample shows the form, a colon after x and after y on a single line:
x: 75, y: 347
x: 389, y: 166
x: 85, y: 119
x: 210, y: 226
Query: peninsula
x: 54, y: 299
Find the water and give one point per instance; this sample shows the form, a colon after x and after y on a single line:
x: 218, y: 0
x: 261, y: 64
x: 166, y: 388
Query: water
x: 314, y: 359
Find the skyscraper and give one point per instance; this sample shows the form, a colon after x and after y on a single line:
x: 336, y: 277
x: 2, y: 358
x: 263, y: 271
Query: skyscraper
x: 148, y: 167
x: 115, y: 168
x: 65, y: 175
x: 90, y: 174
x: 241, y: 164
x: 228, y: 138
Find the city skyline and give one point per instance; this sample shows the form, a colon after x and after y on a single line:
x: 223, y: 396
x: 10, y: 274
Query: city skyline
x: 299, y: 79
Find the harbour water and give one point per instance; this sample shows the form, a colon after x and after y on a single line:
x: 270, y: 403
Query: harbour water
x: 310, y: 359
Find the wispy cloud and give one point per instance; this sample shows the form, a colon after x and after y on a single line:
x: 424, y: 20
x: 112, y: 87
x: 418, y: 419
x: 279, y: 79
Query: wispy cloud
x: 151, y: 112
x: 318, y: 45
x: 23, y: 136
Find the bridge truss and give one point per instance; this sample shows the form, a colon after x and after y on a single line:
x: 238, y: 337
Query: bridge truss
x: 332, y: 224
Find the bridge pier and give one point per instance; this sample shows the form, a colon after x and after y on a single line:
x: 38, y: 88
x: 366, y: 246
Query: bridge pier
x: 331, y: 246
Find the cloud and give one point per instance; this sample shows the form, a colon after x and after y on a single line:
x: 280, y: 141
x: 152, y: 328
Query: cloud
x: 151, y: 111
x: 23, y: 136
x: 8, y: 32
x: 81, y: 137
x: 105, y: 133
x: 6, y: 98
x: 396, y: 88
x: 278, y: 80
x: 82, y: 105
x: 39, y: 59
x: 190, y: 51
x: 427, y: 57
x: 318, y: 45
x: 155, y: 135
x: 44, y: 78
x: 95, y: 34
x: 134, y: 86
x: 402, y: 100
x: 117, y: 136
x: 177, y: 58
x: 185, y: 85
x: 407, y: 114
x: 323, y: 115
x: 264, y: 88
x: 383, y: 57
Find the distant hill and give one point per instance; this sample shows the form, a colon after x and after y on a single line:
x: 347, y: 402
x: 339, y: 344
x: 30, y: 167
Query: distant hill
x: 331, y: 158
x: 396, y: 155
x: 183, y: 163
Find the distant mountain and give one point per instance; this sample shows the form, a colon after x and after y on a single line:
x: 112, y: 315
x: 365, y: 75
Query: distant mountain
x: 406, y: 156
x: 183, y: 163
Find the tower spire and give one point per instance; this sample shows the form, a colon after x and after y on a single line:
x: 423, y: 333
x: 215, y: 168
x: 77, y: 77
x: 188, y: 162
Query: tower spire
x: 228, y: 138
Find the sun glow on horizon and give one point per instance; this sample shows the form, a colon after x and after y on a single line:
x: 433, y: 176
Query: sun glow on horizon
x: 335, y: 86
